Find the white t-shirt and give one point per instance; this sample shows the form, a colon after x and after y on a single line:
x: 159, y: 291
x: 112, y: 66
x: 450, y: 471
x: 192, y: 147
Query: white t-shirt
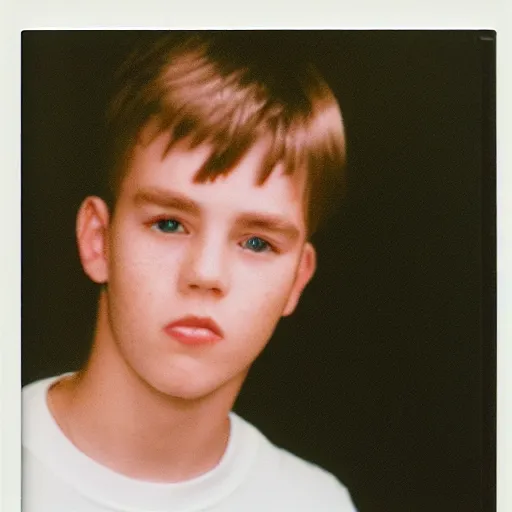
x: 252, y: 476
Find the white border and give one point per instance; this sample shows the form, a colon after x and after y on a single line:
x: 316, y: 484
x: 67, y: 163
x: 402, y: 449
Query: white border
x: 18, y: 15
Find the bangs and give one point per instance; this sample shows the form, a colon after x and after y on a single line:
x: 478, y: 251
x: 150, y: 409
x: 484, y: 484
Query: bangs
x: 203, y: 92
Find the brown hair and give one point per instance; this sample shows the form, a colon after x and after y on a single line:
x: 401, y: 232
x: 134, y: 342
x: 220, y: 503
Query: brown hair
x: 229, y: 89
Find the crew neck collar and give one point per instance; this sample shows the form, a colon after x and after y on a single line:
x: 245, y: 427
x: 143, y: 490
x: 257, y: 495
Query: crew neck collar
x: 46, y: 440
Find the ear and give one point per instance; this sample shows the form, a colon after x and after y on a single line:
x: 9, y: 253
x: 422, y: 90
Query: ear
x: 305, y: 272
x: 92, y: 237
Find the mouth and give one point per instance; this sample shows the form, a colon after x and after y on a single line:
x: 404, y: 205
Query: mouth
x: 193, y: 330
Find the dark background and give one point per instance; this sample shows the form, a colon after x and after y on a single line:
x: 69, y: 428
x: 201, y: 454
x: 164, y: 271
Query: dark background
x: 385, y: 374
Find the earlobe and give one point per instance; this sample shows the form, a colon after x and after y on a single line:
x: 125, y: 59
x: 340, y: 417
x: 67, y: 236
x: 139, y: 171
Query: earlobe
x: 92, y: 237
x: 305, y: 272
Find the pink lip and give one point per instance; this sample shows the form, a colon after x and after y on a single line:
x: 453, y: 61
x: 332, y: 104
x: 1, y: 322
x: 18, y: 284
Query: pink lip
x: 193, y: 330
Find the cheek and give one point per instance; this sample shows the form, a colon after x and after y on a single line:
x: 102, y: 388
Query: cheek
x: 264, y: 293
x: 140, y: 264
x: 141, y: 292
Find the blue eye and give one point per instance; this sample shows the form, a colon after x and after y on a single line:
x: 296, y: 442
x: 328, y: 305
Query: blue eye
x: 257, y: 244
x: 168, y: 226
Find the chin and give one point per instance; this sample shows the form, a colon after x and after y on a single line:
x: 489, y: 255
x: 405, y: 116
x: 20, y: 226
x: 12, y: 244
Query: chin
x: 191, y: 382
x: 190, y: 388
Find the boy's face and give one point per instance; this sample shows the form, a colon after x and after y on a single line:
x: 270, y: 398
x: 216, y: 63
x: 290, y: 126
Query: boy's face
x: 226, y: 250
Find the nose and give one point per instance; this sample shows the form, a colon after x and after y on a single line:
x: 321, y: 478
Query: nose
x: 205, y: 267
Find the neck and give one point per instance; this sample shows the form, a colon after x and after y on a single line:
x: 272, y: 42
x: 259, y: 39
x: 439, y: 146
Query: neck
x: 120, y: 421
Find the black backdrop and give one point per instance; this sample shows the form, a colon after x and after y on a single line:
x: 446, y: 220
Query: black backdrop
x: 384, y: 375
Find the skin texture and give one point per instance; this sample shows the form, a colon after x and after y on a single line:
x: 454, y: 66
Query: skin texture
x: 172, y: 248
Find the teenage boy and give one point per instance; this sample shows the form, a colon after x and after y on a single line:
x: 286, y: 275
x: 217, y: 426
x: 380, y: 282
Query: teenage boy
x: 223, y: 158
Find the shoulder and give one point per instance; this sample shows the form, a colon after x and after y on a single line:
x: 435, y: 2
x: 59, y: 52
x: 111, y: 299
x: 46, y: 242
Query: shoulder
x: 296, y: 484
x: 37, y: 422
x: 34, y: 394
x: 312, y: 484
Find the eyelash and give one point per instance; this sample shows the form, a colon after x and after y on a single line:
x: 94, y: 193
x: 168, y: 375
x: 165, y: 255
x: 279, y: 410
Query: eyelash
x: 157, y: 225
x: 268, y: 246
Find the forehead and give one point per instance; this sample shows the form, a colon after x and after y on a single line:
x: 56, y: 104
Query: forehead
x: 151, y: 164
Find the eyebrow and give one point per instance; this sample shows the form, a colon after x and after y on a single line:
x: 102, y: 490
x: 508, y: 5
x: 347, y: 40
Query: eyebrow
x: 249, y: 220
x: 270, y: 223
x: 166, y: 199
